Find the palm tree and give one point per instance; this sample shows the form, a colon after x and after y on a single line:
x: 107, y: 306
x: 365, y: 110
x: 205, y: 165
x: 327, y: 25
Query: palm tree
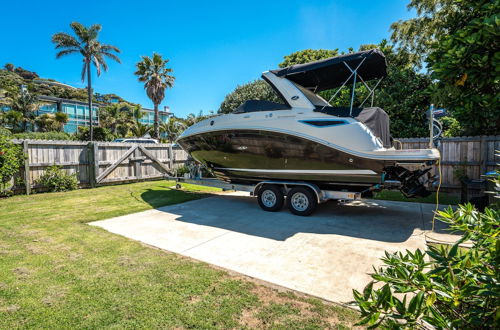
x: 23, y: 107
x: 172, y: 128
x: 119, y: 118
x: 90, y: 48
x: 139, y: 130
x: 155, y: 75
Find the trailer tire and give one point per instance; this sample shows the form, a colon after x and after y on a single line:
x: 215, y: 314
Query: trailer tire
x: 301, y: 201
x: 270, y: 198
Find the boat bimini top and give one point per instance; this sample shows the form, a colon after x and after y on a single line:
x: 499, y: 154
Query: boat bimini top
x: 298, y: 85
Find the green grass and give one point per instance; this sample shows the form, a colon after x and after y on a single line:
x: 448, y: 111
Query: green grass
x: 58, y: 272
x: 390, y: 195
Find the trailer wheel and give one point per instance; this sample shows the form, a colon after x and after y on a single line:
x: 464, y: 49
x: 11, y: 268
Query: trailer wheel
x: 301, y: 201
x: 270, y: 198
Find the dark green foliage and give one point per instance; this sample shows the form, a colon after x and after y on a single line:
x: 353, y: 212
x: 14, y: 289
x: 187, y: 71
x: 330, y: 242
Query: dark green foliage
x: 55, y: 179
x: 255, y: 90
x: 11, y: 159
x: 466, y: 63
x: 44, y: 136
x: 100, y: 134
x: 120, y: 118
x: 5, y: 132
x: 460, y: 41
x: 447, y: 287
x: 307, y: 55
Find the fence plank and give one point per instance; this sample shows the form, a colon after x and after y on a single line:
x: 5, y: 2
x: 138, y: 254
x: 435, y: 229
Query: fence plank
x: 113, y: 166
x: 27, y: 181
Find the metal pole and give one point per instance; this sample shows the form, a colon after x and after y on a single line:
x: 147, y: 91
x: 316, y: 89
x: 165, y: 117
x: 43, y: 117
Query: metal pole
x: 353, y: 91
x: 431, y: 126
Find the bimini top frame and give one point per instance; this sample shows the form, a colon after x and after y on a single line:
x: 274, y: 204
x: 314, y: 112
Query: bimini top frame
x: 338, y: 71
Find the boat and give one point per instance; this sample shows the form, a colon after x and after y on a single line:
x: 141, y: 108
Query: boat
x: 305, y: 139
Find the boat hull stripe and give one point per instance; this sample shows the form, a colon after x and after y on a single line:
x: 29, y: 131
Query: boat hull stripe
x: 326, y: 172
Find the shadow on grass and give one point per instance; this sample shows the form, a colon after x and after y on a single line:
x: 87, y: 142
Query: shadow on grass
x: 167, y: 196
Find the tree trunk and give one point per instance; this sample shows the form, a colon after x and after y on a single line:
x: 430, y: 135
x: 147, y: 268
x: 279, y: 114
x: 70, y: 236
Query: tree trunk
x: 157, y: 123
x: 89, y: 92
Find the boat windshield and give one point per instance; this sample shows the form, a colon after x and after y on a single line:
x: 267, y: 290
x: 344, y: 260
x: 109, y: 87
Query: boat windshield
x: 315, y: 99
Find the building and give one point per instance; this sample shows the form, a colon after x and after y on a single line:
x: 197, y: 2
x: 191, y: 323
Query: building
x: 149, y: 116
x: 77, y: 111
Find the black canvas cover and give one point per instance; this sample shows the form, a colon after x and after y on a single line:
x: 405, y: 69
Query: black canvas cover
x: 260, y: 105
x: 332, y: 72
x: 375, y: 118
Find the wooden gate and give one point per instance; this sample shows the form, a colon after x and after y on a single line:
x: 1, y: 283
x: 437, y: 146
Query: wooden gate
x: 112, y: 162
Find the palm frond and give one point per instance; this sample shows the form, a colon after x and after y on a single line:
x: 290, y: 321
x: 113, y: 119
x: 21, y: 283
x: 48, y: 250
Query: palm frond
x: 80, y: 31
x: 109, y: 48
x: 111, y: 56
x: 67, y: 52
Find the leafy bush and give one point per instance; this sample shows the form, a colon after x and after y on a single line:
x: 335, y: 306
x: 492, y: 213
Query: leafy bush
x: 100, y: 134
x: 44, y: 136
x: 55, y: 179
x: 11, y: 159
x: 5, y: 132
x: 255, y: 90
x: 457, y: 289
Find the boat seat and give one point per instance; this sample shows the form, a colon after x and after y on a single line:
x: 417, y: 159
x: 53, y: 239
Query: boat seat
x: 260, y: 105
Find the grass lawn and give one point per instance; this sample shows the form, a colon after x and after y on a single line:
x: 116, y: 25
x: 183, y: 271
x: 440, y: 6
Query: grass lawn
x: 58, y: 272
x: 392, y: 195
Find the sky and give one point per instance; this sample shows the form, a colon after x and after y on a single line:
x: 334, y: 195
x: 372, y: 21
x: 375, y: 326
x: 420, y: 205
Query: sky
x: 213, y: 46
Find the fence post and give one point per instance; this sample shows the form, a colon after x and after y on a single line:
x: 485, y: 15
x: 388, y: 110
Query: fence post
x: 483, y: 154
x: 171, y: 156
x: 93, y: 160
x: 27, y: 182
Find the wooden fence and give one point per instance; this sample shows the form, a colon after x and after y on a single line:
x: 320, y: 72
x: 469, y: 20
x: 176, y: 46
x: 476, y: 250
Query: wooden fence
x: 472, y: 156
x: 109, y: 162
x: 97, y: 163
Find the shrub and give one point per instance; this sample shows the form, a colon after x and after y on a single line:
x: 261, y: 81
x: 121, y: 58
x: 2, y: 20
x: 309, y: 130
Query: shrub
x: 11, y: 159
x: 55, y: 179
x: 100, y: 134
x: 44, y: 136
x: 457, y: 289
x: 5, y: 132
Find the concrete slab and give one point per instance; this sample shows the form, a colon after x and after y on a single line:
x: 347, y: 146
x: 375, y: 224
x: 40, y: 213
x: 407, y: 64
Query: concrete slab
x: 326, y: 255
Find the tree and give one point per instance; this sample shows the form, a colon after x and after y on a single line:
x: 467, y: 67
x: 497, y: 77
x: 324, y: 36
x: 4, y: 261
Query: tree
x: 49, y: 122
x: 9, y: 67
x: 91, y: 49
x: 255, y: 90
x: 119, y: 118
x: 460, y: 42
x: 307, y: 55
x: 155, y: 75
x: 139, y: 130
x: 23, y: 106
x: 172, y: 128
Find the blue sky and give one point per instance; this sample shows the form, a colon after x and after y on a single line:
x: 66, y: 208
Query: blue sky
x: 212, y: 45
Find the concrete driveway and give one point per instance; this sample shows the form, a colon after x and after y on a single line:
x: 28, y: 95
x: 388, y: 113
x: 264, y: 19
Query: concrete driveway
x: 325, y: 255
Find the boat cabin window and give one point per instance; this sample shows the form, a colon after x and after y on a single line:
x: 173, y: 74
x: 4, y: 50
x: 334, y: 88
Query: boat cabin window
x: 260, y: 105
x: 315, y: 99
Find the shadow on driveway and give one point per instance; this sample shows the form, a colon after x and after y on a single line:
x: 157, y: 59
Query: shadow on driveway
x: 369, y: 219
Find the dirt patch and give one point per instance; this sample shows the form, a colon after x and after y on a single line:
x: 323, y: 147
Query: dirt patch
x: 10, y: 308
x: 54, y: 296
x: 21, y: 272
x: 35, y: 249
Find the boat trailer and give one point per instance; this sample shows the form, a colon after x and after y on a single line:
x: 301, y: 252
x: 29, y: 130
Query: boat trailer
x: 301, y: 197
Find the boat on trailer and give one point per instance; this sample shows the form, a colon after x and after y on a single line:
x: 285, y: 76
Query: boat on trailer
x: 304, y: 140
